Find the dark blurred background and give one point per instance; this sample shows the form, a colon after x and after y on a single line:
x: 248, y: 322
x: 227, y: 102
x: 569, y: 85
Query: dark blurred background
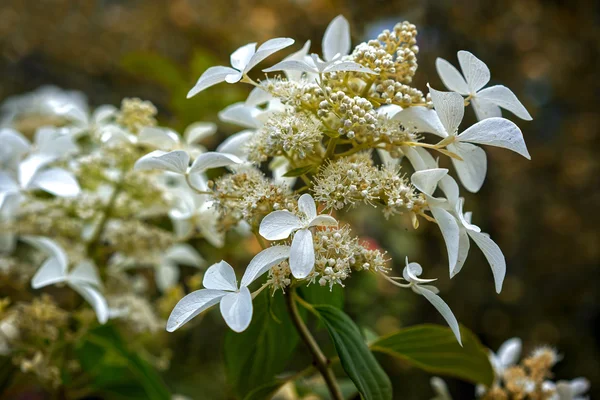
x: 543, y: 213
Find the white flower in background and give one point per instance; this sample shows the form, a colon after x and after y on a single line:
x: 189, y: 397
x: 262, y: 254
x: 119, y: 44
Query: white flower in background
x: 411, y: 274
x: 167, y: 271
x: 440, y: 388
x: 221, y: 287
x: 242, y: 60
x: 455, y: 226
x: 14, y: 147
x: 192, y: 211
x: 178, y: 161
x: 83, y: 278
x: 46, y: 101
x: 280, y: 224
x: 336, y: 44
x: 569, y: 390
x: 166, y: 139
x: 445, y: 121
x: 507, y: 355
x: 486, y: 102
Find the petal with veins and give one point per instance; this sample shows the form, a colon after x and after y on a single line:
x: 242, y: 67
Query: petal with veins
x: 279, y: 225
x: 236, y: 143
x: 499, y: 132
x: 175, y: 161
x: 505, y: 98
x: 323, y: 220
x: 336, y: 40
x: 450, y: 107
x: 306, y: 205
x: 422, y: 120
x: 302, y: 254
x: 451, y: 78
x: 450, y: 232
x: 192, y: 305
x: 442, y: 308
x: 485, y: 109
x: 493, y: 254
x: 211, y: 77
x: 220, y: 276
x: 476, y: 72
x: 236, y: 309
x: 213, y: 159
x: 266, y: 49
x: 472, y: 169
x: 427, y: 180
x: 263, y: 261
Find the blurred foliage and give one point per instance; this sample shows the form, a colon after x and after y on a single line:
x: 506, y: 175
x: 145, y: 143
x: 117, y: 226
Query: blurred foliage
x: 542, y: 213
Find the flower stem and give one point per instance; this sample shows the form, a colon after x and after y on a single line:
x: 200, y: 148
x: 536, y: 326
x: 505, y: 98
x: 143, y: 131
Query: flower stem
x: 321, y: 362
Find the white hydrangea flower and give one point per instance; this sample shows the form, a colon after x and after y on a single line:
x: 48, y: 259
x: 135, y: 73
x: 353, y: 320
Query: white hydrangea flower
x: 178, y: 161
x: 486, y: 102
x: 280, y: 224
x: 166, y: 270
x: 242, y: 60
x: 569, y: 390
x: 83, y: 278
x: 221, y: 287
x: 411, y: 274
x: 445, y: 121
x: 455, y: 226
x: 336, y: 44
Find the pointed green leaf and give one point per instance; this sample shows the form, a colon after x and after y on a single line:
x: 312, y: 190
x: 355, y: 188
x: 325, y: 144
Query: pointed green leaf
x: 355, y: 357
x: 435, y: 349
x: 293, y: 173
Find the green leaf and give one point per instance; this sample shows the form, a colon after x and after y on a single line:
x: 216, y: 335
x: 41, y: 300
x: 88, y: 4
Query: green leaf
x: 317, y: 294
x: 355, y: 357
x: 113, y: 367
x: 265, y: 391
x: 435, y: 349
x: 255, y: 356
x: 293, y: 173
x: 155, y: 68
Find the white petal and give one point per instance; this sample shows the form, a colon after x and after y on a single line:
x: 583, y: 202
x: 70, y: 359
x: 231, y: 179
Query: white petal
x: 498, y: 132
x: 236, y: 143
x: 306, y: 205
x: 266, y: 49
x: 450, y: 76
x: 103, y: 113
x: 323, y: 220
x: 450, y: 232
x: 236, y: 309
x: 292, y: 65
x: 279, y: 225
x: 387, y: 160
x: 450, y: 107
x: 298, y: 56
x: 49, y: 247
x: 199, y: 131
x: 85, y: 273
x: 336, y: 39
x: 211, y: 160
x: 302, y: 254
x: 241, y: 57
x: 473, y: 168
x: 508, y: 354
x: 192, y: 305
x: 175, y: 161
x: 579, y: 386
x: 161, y: 138
x: 185, y: 254
x: 493, y: 254
x: 234, y: 78
x: 476, y: 72
x: 57, y: 181
x: 95, y: 299
x: 419, y: 158
x: 352, y: 66
x: 505, y: 98
x: 242, y: 115
x: 211, y: 77
x: 485, y: 109
x: 257, y: 97
x: 263, y: 261
x: 220, y: 276
x: 55, y: 142
x: 440, y: 388
x: 421, y: 119
x: 50, y: 272
x: 31, y: 165
x: 13, y: 140
x: 166, y: 276
x: 450, y: 189
x: 7, y: 184
x: 442, y: 308
x: 411, y: 273
x: 427, y: 180
x: 463, y: 252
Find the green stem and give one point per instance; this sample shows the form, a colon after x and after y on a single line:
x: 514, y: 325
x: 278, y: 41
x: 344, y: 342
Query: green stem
x: 321, y: 362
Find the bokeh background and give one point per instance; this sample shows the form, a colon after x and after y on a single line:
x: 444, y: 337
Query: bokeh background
x: 543, y: 213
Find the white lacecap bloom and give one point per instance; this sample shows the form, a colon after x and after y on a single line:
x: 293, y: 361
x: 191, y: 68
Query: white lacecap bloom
x: 83, y: 278
x: 445, y: 121
x: 507, y: 356
x: 221, y: 286
x: 411, y: 274
x: 178, y: 161
x: 568, y: 390
x: 167, y: 271
x: 455, y: 226
x: 486, y: 102
x: 336, y: 44
x: 440, y: 388
x: 242, y: 60
x: 280, y: 224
